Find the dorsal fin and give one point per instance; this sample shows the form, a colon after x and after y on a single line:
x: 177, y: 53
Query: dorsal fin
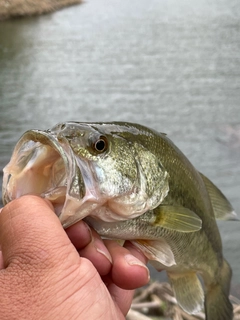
x: 222, y: 208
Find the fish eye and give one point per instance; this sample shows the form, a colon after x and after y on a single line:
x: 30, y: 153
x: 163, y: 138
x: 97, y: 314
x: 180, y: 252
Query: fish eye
x: 101, y: 144
x: 62, y: 126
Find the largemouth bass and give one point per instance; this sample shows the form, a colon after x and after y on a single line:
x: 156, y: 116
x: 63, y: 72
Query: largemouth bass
x: 129, y: 182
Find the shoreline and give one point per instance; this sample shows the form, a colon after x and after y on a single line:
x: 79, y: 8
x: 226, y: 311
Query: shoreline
x: 21, y: 8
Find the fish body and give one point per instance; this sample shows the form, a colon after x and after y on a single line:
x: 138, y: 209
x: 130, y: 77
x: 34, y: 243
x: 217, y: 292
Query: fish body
x: 132, y: 183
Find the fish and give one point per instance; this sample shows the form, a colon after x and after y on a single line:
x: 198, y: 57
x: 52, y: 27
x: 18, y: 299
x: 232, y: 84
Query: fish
x: 130, y: 182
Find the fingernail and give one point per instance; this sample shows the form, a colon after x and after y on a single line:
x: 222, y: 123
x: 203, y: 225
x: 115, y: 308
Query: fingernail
x: 133, y: 261
x: 102, y: 249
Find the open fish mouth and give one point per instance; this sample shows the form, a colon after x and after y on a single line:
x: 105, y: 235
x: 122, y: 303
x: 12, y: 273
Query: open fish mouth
x: 43, y: 164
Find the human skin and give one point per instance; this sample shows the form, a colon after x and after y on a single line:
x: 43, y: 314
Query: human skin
x: 47, y: 273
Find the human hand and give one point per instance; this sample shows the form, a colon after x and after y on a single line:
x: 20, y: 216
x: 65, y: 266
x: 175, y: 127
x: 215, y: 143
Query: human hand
x: 45, y: 274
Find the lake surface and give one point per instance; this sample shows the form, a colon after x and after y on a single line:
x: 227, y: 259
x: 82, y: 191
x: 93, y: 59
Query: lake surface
x: 171, y: 65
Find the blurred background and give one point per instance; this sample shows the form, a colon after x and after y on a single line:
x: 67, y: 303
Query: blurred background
x: 171, y: 65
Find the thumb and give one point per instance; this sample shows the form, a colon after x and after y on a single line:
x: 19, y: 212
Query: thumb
x: 43, y: 269
x: 31, y: 233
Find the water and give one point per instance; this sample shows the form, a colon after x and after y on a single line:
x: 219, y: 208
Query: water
x: 171, y: 65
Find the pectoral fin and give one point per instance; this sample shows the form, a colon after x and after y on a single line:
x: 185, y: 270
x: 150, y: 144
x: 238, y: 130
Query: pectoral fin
x: 222, y: 208
x: 156, y: 250
x: 188, y: 291
x: 177, y: 218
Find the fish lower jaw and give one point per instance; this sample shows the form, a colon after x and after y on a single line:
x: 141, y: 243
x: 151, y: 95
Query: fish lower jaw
x: 57, y: 197
x: 75, y: 209
x: 96, y: 208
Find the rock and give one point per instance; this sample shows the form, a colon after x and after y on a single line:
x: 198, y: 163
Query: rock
x: 16, y: 8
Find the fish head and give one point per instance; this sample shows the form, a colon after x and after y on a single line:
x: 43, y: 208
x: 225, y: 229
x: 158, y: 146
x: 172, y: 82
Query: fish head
x: 84, y: 169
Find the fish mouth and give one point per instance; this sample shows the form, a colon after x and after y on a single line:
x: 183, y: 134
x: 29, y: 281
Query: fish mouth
x: 44, y: 164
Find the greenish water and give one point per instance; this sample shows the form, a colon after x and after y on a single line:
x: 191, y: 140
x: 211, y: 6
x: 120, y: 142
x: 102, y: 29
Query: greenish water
x: 171, y: 65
